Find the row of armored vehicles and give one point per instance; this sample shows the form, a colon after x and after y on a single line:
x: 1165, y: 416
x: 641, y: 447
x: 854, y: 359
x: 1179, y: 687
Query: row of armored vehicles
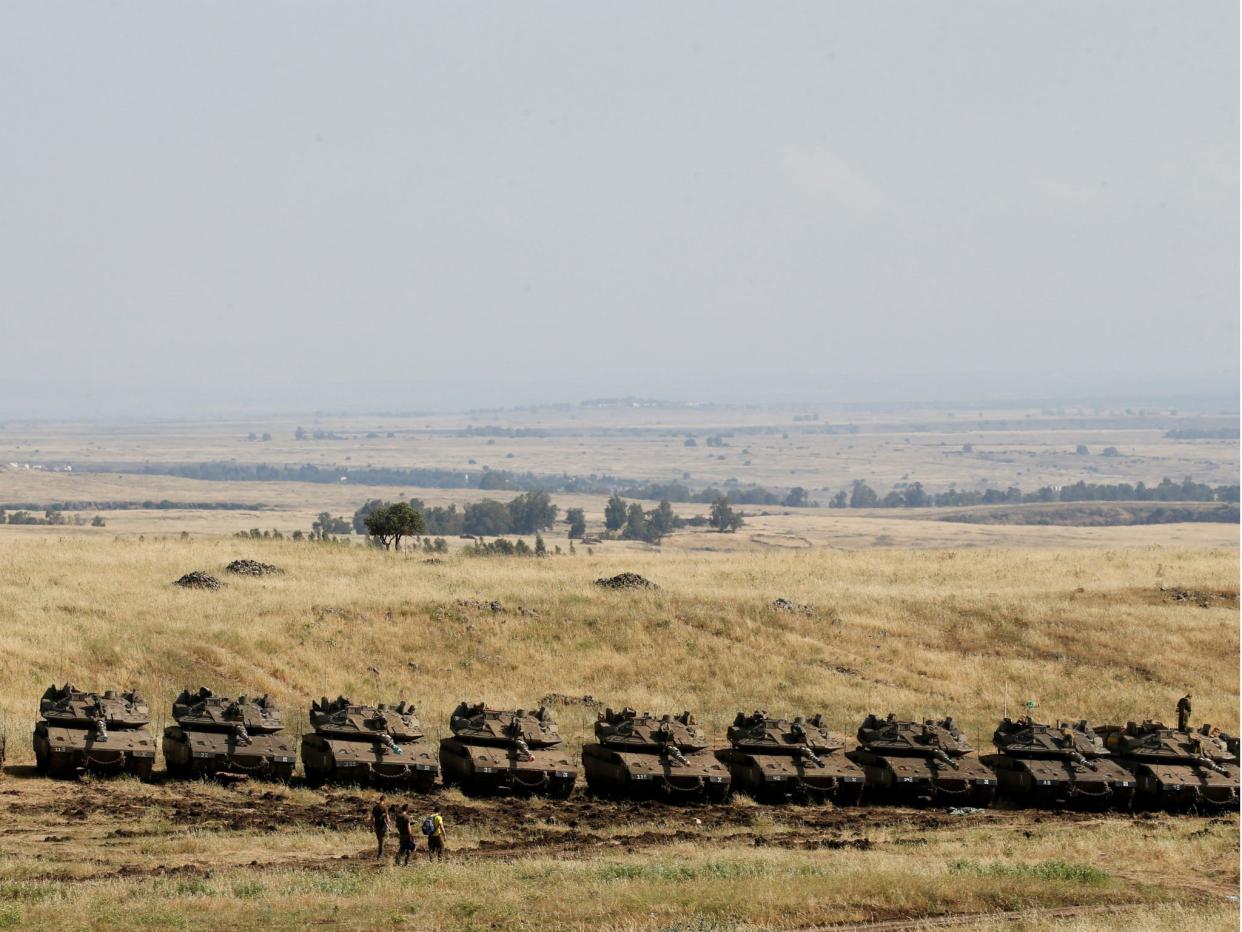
x: 640, y: 755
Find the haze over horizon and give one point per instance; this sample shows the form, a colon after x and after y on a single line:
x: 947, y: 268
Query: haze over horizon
x: 444, y: 207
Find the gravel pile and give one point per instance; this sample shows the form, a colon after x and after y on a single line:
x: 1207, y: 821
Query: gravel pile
x: 792, y: 607
x: 253, y: 568
x: 198, y: 580
x: 626, y: 581
x: 561, y: 699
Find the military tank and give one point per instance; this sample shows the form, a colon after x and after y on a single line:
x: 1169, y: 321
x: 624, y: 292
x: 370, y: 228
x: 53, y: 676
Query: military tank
x: 363, y: 744
x: 1057, y: 766
x: 506, y: 751
x: 642, y: 756
x: 218, y: 735
x: 1175, y: 769
x: 923, y: 763
x: 100, y: 733
x: 778, y: 759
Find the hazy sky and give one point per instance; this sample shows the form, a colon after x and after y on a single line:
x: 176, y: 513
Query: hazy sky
x: 634, y: 198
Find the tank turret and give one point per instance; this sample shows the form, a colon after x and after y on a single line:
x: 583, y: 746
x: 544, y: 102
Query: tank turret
x: 217, y: 735
x: 1057, y: 765
x: 776, y: 758
x: 101, y: 733
x: 646, y: 755
x: 367, y: 744
x: 1176, y: 769
x: 506, y: 751
x: 922, y: 762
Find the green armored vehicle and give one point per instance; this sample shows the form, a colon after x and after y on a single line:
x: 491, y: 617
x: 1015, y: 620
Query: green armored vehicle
x: 379, y: 745
x: 642, y: 756
x: 1058, y: 766
x: 81, y: 732
x: 928, y: 762
x: 506, y: 751
x: 778, y: 759
x: 1175, y: 769
x: 216, y: 734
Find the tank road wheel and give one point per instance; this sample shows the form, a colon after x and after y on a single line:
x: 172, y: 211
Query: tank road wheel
x: 560, y: 788
x: 139, y: 767
x: 716, y: 792
x: 1122, y: 799
x: 42, y: 762
x: 846, y: 794
x: 982, y: 796
x: 282, y: 773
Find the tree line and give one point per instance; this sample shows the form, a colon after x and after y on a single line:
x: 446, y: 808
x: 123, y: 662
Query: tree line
x: 862, y: 495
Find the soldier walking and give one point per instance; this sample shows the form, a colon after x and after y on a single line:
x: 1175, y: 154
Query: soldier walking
x: 405, y: 836
x: 382, y: 824
x: 1183, y: 713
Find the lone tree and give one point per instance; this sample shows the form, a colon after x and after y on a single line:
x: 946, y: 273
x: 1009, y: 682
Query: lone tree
x: 635, y: 523
x: 661, y: 521
x: 724, y: 518
x: 797, y: 498
x: 614, y: 513
x: 863, y: 496
x: 393, y: 522
x: 577, y: 522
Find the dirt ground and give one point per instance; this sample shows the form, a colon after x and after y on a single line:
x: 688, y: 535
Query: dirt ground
x: 105, y: 827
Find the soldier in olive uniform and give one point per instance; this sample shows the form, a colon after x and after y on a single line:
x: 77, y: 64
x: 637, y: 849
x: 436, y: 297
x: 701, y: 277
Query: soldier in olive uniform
x: 1183, y: 713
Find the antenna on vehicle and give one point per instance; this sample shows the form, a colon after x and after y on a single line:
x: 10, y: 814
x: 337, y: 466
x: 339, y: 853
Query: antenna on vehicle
x: 1006, y: 699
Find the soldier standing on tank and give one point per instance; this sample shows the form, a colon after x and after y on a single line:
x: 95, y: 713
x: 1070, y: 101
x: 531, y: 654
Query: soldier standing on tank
x: 1183, y: 713
x: 381, y: 823
x: 405, y: 836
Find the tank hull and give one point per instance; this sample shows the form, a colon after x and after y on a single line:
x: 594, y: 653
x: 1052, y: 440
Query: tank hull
x: 638, y: 775
x: 493, y: 770
x: 784, y: 777
x: 194, y: 754
x: 1179, y: 785
x: 364, y: 763
x: 916, y: 780
x: 68, y: 753
x: 1054, y: 783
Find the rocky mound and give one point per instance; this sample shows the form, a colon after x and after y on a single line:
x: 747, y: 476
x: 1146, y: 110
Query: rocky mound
x: 626, y: 581
x: 561, y: 699
x: 198, y: 580
x: 792, y: 607
x: 253, y: 568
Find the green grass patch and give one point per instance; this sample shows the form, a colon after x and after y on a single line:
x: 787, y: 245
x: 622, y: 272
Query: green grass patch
x: 26, y: 892
x: 1054, y: 871
x: 708, y: 870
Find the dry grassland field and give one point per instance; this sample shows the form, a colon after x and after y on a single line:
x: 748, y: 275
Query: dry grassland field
x: 909, y: 613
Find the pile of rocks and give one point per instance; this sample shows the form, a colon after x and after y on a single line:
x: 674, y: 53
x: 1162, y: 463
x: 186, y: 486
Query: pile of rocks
x: 792, y: 607
x: 493, y: 606
x: 198, y: 580
x: 626, y: 581
x: 1202, y: 598
x: 562, y: 699
x: 253, y: 568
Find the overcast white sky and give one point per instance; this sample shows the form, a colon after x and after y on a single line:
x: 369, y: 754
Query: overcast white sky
x: 520, y: 199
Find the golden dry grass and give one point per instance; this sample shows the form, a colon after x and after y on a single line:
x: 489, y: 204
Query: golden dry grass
x: 1086, y: 633
x: 923, y: 633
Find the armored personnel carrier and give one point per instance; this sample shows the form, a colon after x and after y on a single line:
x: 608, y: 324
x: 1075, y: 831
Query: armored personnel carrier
x: 1057, y: 765
x: 80, y: 732
x: 506, y: 751
x: 363, y: 744
x: 777, y: 759
x: 1175, y: 769
x: 928, y: 762
x: 643, y: 756
x: 217, y: 735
